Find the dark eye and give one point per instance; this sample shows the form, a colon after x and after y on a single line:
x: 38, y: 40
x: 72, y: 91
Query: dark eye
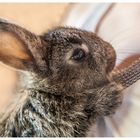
x: 78, y: 54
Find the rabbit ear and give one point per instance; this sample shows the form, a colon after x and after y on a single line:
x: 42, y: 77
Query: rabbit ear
x: 20, y: 48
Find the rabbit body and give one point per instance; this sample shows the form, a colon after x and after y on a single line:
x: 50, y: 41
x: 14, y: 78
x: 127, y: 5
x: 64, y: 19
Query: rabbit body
x: 68, y: 94
x: 49, y: 113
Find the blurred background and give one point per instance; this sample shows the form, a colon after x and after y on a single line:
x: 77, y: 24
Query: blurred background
x: 118, y: 24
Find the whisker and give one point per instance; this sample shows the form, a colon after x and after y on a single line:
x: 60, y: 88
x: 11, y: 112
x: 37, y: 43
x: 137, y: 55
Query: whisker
x: 122, y: 38
x: 126, y: 30
x: 117, y: 49
x: 120, y: 60
x: 126, y: 52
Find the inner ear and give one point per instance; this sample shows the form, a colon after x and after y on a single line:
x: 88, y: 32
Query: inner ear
x: 13, y: 50
x: 11, y: 46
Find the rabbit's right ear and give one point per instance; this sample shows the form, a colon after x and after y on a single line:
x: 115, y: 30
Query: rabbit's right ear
x: 20, y: 48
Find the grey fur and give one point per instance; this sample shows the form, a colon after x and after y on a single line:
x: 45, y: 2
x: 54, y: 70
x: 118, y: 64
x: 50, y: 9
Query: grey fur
x: 56, y: 98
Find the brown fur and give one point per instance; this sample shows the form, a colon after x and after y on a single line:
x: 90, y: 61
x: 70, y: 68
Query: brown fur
x: 58, y: 97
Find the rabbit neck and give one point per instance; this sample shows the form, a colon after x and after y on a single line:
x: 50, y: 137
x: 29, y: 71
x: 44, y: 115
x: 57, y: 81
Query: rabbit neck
x: 43, y: 112
x: 29, y: 80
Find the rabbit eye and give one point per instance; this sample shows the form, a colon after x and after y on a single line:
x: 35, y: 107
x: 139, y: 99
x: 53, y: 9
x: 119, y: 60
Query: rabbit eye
x: 78, y: 54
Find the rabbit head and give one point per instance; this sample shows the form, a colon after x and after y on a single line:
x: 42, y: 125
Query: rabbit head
x: 64, y: 58
x: 69, y: 58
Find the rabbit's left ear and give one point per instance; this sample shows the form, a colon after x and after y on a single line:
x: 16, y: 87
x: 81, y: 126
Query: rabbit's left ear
x: 20, y: 48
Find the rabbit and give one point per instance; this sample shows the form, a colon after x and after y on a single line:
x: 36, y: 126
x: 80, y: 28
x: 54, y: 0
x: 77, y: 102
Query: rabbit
x: 66, y: 81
